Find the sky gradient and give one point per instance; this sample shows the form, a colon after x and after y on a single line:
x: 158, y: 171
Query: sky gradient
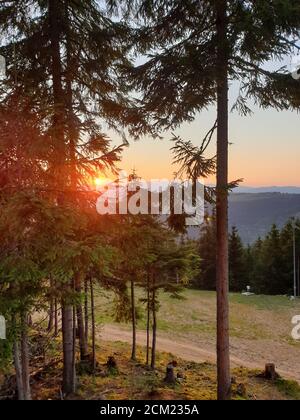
x: 265, y: 149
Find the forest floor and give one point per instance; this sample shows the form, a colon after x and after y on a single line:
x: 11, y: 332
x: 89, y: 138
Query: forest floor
x: 260, y: 331
x: 135, y: 381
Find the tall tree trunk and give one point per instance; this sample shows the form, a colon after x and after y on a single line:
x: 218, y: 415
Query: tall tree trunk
x: 51, y: 315
x: 18, y: 369
x: 223, y: 356
x: 133, y: 319
x: 51, y: 309
x: 55, y: 25
x: 93, y: 326
x: 148, y: 319
x: 68, y: 347
x: 74, y: 346
x: 73, y: 129
x: 154, y: 328
x: 55, y: 318
x: 81, y: 332
x: 55, y: 28
x: 80, y: 323
x: 86, y: 311
x: 25, y: 358
x: 17, y: 362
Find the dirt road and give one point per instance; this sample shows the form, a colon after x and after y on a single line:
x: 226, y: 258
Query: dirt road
x: 191, y: 352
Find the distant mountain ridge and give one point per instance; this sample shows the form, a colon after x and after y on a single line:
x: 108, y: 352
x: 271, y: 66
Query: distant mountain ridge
x: 274, y: 189
x: 254, y: 213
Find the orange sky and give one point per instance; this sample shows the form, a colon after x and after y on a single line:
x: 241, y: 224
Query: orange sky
x: 265, y: 150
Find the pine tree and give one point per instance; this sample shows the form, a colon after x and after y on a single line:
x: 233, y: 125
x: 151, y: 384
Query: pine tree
x: 207, y: 252
x: 193, y: 48
x: 287, y: 247
x: 55, y: 64
x: 172, y: 267
x: 273, y: 262
x: 237, y: 267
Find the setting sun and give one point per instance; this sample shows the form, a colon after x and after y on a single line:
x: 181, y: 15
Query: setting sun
x: 101, y: 181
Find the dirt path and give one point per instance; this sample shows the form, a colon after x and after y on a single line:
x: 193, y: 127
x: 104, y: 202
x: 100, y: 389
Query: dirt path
x: 188, y: 351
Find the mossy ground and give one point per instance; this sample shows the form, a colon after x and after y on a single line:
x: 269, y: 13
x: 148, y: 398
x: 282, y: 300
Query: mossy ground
x: 134, y: 381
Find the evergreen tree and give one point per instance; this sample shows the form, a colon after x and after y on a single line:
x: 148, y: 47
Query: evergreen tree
x: 287, y: 249
x: 249, y: 267
x: 193, y: 48
x: 54, y: 52
x: 273, y: 262
x: 237, y: 267
x: 207, y: 252
x: 172, y: 267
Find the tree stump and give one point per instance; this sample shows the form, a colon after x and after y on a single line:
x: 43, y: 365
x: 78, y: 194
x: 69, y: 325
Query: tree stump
x: 270, y: 372
x: 112, y: 363
x: 112, y: 366
x: 170, y: 375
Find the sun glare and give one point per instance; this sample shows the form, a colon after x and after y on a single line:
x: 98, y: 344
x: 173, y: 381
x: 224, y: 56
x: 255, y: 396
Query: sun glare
x: 101, y: 181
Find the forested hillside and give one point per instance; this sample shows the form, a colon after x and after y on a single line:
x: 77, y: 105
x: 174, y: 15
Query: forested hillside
x: 254, y: 214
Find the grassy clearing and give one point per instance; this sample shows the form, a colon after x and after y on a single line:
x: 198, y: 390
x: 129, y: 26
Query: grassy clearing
x: 254, y: 318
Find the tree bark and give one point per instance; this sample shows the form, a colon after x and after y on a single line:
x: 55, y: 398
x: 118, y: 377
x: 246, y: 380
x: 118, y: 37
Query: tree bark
x: 93, y: 326
x: 55, y: 318
x: 58, y: 92
x: 270, y: 372
x: 148, y: 319
x: 25, y: 358
x: 133, y: 319
x: 73, y: 129
x: 51, y: 316
x: 81, y: 331
x: 69, y: 385
x: 80, y: 323
x: 17, y: 362
x: 86, y: 311
x: 18, y: 369
x: 55, y: 28
x: 51, y: 309
x: 154, y: 329
x: 223, y: 357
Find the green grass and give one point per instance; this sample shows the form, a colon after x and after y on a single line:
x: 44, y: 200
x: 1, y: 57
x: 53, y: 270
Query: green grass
x: 289, y: 388
x: 262, y: 302
x: 195, y: 314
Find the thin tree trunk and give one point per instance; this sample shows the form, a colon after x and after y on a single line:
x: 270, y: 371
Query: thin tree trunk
x: 73, y: 130
x: 55, y: 318
x: 18, y: 369
x: 58, y: 93
x: 51, y: 309
x: 148, y: 319
x: 17, y: 363
x: 93, y: 326
x: 223, y: 356
x: 154, y: 329
x: 80, y: 323
x: 51, y: 316
x: 86, y: 311
x: 133, y: 319
x: 81, y: 331
x: 25, y: 359
x: 68, y: 347
x: 74, y: 347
